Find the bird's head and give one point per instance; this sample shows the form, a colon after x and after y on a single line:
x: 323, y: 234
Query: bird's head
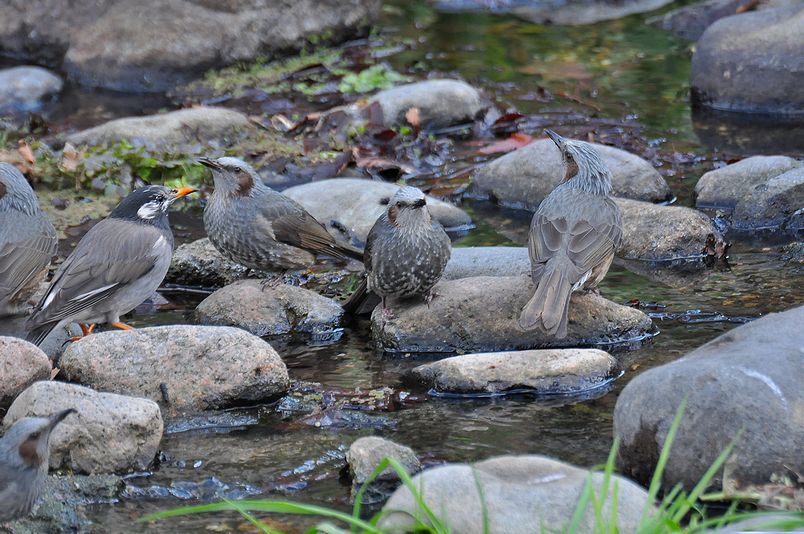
x: 583, y: 163
x: 232, y: 176
x: 150, y: 203
x: 27, y: 442
x: 408, y: 205
x: 15, y: 192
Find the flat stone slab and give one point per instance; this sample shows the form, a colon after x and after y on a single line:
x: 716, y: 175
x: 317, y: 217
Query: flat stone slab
x: 480, y: 314
x: 546, y: 372
x: 466, y: 262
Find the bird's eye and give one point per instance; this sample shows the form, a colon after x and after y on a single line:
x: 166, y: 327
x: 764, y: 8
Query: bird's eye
x: 34, y: 435
x: 238, y: 170
x: 399, y: 204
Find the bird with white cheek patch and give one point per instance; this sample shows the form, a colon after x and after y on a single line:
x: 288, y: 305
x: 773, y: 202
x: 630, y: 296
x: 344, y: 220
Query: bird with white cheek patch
x: 118, y: 264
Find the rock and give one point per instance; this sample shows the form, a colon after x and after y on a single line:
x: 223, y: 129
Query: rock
x: 199, y: 263
x: 524, y: 177
x: 21, y: 364
x: 546, y: 372
x: 658, y: 233
x: 25, y: 88
x: 53, y: 346
x: 584, y: 12
x: 110, y: 433
x: 480, y: 314
x: 441, y: 103
x: 690, y: 21
x: 349, y: 207
x: 270, y: 311
x: 363, y: 457
x: 487, y: 261
x: 752, y: 62
x: 122, y: 46
x: 187, y: 368
x: 748, y: 379
x: 520, y: 494
x: 167, y: 131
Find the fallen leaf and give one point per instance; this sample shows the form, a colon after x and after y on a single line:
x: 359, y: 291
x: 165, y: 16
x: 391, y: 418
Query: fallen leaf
x: 69, y: 158
x: 412, y: 116
x: 25, y: 151
x: 383, y: 165
x: 517, y: 140
x: 748, y: 6
x: 54, y: 372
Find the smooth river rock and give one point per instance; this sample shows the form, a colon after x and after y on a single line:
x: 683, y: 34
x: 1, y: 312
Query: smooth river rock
x: 21, y: 364
x: 752, y: 62
x: 545, y: 372
x: 200, y: 263
x: 26, y: 88
x: 365, y: 455
x: 187, y: 368
x: 747, y: 379
x: 514, y: 494
x: 691, y: 21
x: 465, y: 262
x: 481, y: 314
x: 524, y: 177
x: 349, y: 207
x: 264, y: 310
x: 110, y: 432
x: 440, y: 103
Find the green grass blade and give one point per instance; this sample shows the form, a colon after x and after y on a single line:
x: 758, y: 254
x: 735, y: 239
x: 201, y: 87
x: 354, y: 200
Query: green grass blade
x: 483, y: 509
x: 580, y: 508
x: 251, y: 519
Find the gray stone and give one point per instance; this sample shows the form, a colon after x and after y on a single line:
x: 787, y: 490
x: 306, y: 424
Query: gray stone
x: 52, y: 346
x: 585, y: 11
x: 25, y: 88
x: 186, y: 368
x: 480, y: 314
x: 365, y: 455
x: 524, y: 177
x: 267, y: 311
x: 513, y: 494
x: 752, y: 62
x: 745, y: 381
x: 349, y: 207
x: 726, y: 186
x: 167, y: 131
x: 466, y: 262
x: 109, y: 433
x: 21, y: 364
x: 200, y: 263
x: 440, y: 103
x: 153, y: 45
x: 547, y: 372
x: 690, y: 21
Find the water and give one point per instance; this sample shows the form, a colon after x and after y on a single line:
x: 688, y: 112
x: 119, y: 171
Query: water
x: 623, y: 79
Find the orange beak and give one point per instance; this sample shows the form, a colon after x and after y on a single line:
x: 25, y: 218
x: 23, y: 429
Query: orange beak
x: 184, y: 191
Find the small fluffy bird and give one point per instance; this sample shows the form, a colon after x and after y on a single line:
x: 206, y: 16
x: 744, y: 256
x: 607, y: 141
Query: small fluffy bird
x: 118, y: 264
x: 406, y: 251
x: 24, y: 454
x: 250, y: 223
x: 573, y: 236
x: 27, y: 241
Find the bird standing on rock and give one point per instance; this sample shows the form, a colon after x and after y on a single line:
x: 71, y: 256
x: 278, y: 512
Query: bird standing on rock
x: 27, y: 241
x: 118, y: 264
x: 262, y: 229
x: 406, y: 251
x: 24, y: 454
x: 573, y: 236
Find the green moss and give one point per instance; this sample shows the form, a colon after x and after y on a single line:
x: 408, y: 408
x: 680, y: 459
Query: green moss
x: 376, y: 77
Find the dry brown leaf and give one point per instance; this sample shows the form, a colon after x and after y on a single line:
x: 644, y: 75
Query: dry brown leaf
x: 54, y: 372
x: 384, y: 164
x: 25, y: 151
x: 412, y: 116
x: 69, y: 158
x: 517, y: 140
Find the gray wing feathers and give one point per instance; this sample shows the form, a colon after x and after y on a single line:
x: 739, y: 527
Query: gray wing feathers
x: 22, y: 259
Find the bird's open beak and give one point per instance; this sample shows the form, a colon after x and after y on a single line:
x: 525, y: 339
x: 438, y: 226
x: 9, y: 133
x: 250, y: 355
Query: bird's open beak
x: 183, y: 192
x: 59, y: 417
x: 420, y: 203
x: 557, y: 139
x: 210, y: 163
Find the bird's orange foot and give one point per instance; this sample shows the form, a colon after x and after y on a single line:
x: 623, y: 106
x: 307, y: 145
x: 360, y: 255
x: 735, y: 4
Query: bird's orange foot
x: 86, y: 329
x: 122, y: 326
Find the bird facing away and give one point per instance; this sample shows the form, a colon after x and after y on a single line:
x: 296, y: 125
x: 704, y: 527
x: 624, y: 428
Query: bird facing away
x: 573, y: 236
x: 253, y: 225
x: 406, y: 251
x: 24, y: 453
x: 27, y: 241
x: 118, y: 264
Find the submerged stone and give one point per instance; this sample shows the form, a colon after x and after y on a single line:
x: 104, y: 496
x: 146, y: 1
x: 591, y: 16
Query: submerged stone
x: 366, y: 454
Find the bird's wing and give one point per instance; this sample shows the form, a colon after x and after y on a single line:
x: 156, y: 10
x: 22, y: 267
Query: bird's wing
x: 9, y: 490
x: 110, y: 256
x: 21, y: 259
x: 371, y: 239
x: 292, y: 225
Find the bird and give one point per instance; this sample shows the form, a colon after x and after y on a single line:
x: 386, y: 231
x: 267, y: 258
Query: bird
x: 573, y: 236
x: 27, y: 241
x: 406, y: 252
x: 24, y: 454
x: 260, y: 228
x: 118, y: 264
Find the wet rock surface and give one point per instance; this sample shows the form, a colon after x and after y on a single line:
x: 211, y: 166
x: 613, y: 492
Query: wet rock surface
x: 691, y: 21
x: 441, y: 103
x: 349, y: 207
x: 545, y: 372
x: 183, y: 368
x: 747, y: 379
x: 366, y: 454
x: 523, y: 178
x: 199, y: 263
x: 519, y: 494
x: 110, y: 433
x: 752, y: 62
x: 21, y: 364
x: 26, y: 88
x: 583, y: 12
x: 264, y: 310
x: 465, y: 262
x: 481, y: 314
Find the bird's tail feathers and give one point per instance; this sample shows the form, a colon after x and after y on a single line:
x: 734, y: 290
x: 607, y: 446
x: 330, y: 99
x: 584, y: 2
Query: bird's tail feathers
x: 362, y: 301
x: 549, y: 305
x: 37, y: 334
x: 345, y: 251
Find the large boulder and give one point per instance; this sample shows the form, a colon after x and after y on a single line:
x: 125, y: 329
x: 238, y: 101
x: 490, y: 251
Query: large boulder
x: 545, y: 372
x: 440, y: 103
x: 524, y: 177
x: 25, y: 88
x: 513, y: 494
x: 743, y: 386
x: 153, y: 45
x: 108, y: 433
x: 691, y: 21
x: 584, y: 11
x: 365, y: 455
x: 21, y: 364
x: 481, y: 314
x: 187, y: 368
x: 267, y: 310
x: 349, y: 207
x: 752, y: 62
x: 465, y: 262
x: 200, y: 263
